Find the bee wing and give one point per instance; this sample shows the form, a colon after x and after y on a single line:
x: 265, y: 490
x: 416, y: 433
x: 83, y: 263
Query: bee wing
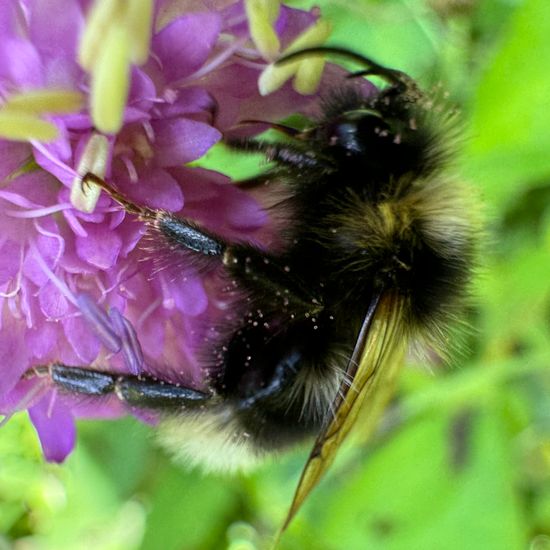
x: 380, y: 351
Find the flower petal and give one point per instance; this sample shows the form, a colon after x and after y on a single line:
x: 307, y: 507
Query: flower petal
x: 182, y: 140
x: 100, y: 248
x: 21, y: 65
x: 13, y: 357
x: 54, y: 26
x: 85, y: 344
x: 55, y: 427
x: 156, y: 189
x: 185, y: 44
x: 189, y: 295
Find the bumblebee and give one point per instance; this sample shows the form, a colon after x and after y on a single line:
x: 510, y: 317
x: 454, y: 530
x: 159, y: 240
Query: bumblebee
x: 375, y: 253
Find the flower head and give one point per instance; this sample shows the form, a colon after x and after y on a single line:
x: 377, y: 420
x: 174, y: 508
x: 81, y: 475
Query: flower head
x: 132, y: 92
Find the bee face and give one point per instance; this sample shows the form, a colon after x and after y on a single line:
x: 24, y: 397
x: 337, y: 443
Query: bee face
x: 377, y: 251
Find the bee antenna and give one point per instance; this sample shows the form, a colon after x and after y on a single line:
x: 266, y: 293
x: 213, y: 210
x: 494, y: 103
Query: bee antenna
x: 374, y: 69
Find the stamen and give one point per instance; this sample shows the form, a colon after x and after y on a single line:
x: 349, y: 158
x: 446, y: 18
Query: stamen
x: 111, y: 82
x: 52, y: 235
x: 39, y: 212
x: 116, y: 35
x: 100, y: 322
x: 131, y: 349
x: 20, y: 126
x: 262, y: 15
x: 17, y: 199
x: 215, y: 62
x: 45, y: 101
x: 94, y: 159
x: 274, y: 76
x: 75, y: 224
x: 52, y: 158
x: 148, y: 311
x: 18, y: 279
x: 62, y: 287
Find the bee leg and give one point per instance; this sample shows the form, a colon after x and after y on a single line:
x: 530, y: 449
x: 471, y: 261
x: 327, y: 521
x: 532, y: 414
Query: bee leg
x: 252, y: 266
x: 136, y: 391
x: 178, y: 232
x: 283, y: 154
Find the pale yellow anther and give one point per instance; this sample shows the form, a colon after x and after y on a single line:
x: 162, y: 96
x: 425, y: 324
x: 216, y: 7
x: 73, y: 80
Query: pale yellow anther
x: 117, y: 34
x: 110, y: 82
x: 273, y: 77
x: 103, y: 16
x: 45, y: 101
x: 262, y: 15
x: 307, y: 71
x: 311, y: 37
x: 94, y: 159
x: 308, y: 76
x: 21, y: 126
x: 139, y: 18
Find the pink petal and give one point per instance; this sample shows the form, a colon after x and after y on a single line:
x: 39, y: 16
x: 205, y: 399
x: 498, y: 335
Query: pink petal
x: 12, y: 156
x: 55, y: 26
x: 55, y: 427
x: 182, y: 140
x: 52, y: 302
x: 41, y: 340
x: 13, y: 357
x: 21, y: 63
x: 10, y: 254
x: 85, y: 344
x: 100, y: 248
x: 189, y: 295
x: 189, y: 101
x: 185, y: 44
x: 156, y: 189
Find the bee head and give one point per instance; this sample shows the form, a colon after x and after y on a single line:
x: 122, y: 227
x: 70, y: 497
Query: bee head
x: 371, y: 141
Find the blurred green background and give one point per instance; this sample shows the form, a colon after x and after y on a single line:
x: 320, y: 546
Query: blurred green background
x: 462, y: 460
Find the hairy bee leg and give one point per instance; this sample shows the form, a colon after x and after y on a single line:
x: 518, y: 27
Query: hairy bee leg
x: 177, y: 232
x: 282, y: 154
x: 136, y: 391
x: 142, y: 211
x: 246, y: 262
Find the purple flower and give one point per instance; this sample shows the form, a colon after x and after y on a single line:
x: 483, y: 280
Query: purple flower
x: 76, y: 287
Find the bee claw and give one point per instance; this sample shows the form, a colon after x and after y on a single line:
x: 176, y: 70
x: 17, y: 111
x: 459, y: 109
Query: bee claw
x: 91, y: 179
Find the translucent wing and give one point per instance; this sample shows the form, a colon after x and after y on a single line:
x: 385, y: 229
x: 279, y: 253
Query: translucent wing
x: 380, y: 352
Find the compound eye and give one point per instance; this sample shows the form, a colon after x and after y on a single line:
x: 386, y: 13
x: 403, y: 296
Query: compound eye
x: 359, y: 134
x: 345, y: 135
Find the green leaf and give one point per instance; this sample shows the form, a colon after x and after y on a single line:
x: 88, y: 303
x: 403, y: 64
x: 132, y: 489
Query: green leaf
x: 511, y: 110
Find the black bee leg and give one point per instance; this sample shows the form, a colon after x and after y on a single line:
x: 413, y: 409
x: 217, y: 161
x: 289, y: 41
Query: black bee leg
x: 178, y: 232
x: 256, y: 269
x: 135, y: 391
x: 283, y: 154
